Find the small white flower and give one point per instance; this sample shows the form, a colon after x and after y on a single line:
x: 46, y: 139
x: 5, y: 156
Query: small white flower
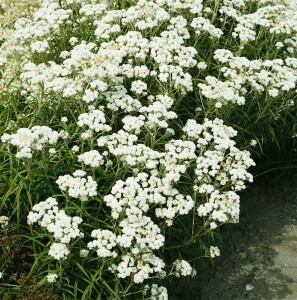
x: 273, y: 92
x: 78, y: 186
x: 104, y: 243
x: 4, y: 221
x: 182, y: 268
x: 51, y: 278
x: 64, y: 134
x: 214, y: 251
x: 52, y: 151
x: 139, y: 87
x: 75, y: 149
x: 73, y: 40
x: 84, y: 253
x: 213, y: 225
x: 26, y: 139
x: 58, y: 251
x: 219, y: 104
x: 202, y: 65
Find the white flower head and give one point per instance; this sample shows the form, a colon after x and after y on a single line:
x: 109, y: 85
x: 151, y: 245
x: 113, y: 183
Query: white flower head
x: 51, y: 278
x: 214, y: 251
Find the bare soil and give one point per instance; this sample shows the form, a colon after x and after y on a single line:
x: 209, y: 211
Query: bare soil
x: 259, y: 255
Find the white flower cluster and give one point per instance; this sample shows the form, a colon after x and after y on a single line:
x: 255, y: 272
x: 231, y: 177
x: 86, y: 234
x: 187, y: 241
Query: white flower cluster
x: 77, y: 186
x: 129, y: 201
x: 59, y: 251
x: 91, y: 158
x: 55, y: 221
x: 39, y: 46
x: 222, y: 91
x: 138, y: 155
x: 104, y: 243
x: 275, y: 76
x: 182, y: 268
x: 117, y: 140
x: 214, y: 251
x: 139, y: 87
x: 221, y: 165
x: 84, y: 253
x: 221, y: 208
x: 179, y: 204
x: 157, y: 113
x: 92, y: 10
x: 4, y: 221
x: 145, y: 15
x: 275, y: 19
x: 201, y: 24
x: 51, y: 278
x: 141, y: 266
x: 136, y: 194
x: 140, y: 231
x: 94, y: 120
x: 133, y: 124
x: 156, y: 292
x: 178, y: 156
x: 26, y: 139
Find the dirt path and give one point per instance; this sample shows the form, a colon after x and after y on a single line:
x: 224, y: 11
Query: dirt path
x: 259, y: 255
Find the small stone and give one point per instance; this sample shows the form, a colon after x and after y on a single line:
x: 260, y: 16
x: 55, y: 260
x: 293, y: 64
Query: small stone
x: 249, y: 287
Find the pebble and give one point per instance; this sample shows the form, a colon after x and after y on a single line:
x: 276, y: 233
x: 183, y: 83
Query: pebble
x: 249, y: 287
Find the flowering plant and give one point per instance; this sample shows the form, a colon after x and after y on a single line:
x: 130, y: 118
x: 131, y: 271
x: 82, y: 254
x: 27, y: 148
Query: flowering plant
x: 117, y: 144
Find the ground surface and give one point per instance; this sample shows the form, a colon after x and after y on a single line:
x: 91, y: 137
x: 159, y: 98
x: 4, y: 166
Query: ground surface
x: 260, y: 253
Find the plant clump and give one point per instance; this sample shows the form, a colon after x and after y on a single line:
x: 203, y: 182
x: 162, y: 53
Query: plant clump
x: 124, y: 143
